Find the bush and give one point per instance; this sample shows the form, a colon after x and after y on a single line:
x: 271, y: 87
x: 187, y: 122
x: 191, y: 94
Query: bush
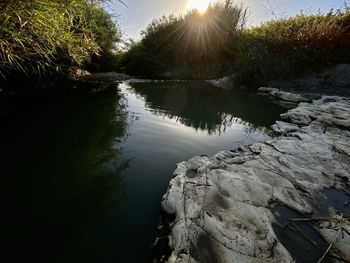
x: 107, y: 34
x: 288, y: 47
x: 192, y: 44
x: 217, y: 44
x: 43, y: 35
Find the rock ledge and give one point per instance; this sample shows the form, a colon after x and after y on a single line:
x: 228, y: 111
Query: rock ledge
x: 223, y: 204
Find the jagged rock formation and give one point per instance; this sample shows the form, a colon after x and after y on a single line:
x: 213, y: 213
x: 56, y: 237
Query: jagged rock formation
x: 285, y: 99
x: 223, y: 203
x: 284, y: 96
x: 225, y: 82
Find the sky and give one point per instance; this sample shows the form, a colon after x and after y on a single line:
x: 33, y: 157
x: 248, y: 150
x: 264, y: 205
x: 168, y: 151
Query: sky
x: 139, y: 13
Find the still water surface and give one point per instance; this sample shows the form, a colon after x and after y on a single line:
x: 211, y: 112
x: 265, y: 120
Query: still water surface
x: 82, y: 176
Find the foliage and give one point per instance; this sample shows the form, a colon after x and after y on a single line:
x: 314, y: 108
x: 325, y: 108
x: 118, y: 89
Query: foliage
x: 41, y: 35
x: 217, y: 43
x: 288, y: 47
x: 106, y: 34
x: 193, y: 42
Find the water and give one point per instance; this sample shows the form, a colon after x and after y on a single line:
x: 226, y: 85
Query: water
x: 82, y: 176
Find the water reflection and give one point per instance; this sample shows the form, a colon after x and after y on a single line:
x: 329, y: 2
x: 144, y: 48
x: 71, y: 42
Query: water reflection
x: 60, y: 170
x: 68, y: 196
x: 207, y: 108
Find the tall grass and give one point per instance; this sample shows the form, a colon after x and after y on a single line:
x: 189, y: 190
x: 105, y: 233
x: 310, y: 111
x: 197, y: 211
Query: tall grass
x: 289, y: 47
x: 44, y: 35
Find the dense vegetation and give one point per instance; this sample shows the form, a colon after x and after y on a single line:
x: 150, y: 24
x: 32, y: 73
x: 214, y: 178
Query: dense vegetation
x: 218, y: 43
x: 40, y: 36
x: 192, y: 45
x: 289, y: 47
x: 53, y: 35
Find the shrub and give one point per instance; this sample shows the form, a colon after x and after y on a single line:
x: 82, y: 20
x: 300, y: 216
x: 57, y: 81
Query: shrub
x: 192, y: 43
x: 217, y: 43
x: 289, y: 47
x: 42, y: 35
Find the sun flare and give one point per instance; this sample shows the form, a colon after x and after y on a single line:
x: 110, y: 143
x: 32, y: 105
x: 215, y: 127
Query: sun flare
x: 200, y: 5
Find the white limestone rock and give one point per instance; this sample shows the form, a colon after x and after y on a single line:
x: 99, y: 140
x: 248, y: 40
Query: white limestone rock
x: 222, y: 203
x: 225, y: 82
x: 282, y: 127
x: 284, y: 96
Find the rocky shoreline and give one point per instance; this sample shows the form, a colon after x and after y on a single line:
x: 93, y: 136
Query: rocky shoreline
x: 283, y: 200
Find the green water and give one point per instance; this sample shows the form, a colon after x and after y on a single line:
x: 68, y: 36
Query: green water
x: 82, y: 176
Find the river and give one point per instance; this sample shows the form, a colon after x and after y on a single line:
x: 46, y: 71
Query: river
x: 82, y: 176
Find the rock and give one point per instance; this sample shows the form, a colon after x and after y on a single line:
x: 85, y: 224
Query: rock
x: 285, y: 96
x: 223, y: 209
x: 133, y: 80
x: 332, y: 81
x: 284, y: 128
x: 267, y: 89
x: 287, y: 104
x: 225, y: 82
x: 108, y: 77
x: 255, y: 148
x: 78, y: 74
x: 329, y: 231
x: 236, y: 160
x: 291, y: 97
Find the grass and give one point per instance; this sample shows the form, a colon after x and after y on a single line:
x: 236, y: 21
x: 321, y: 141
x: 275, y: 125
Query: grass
x: 40, y: 36
x: 289, y: 47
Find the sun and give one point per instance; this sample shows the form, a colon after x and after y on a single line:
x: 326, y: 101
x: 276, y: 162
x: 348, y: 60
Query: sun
x: 200, y: 5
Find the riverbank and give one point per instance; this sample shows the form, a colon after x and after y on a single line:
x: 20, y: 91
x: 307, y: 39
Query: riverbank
x: 282, y: 200
x: 20, y: 92
x: 330, y: 81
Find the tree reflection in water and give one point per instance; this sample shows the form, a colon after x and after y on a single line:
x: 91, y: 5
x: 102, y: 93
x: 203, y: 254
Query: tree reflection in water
x: 60, y: 170
x: 200, y: 105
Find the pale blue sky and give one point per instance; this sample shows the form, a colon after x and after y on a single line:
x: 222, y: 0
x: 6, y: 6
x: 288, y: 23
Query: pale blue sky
x: 141, y: 12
